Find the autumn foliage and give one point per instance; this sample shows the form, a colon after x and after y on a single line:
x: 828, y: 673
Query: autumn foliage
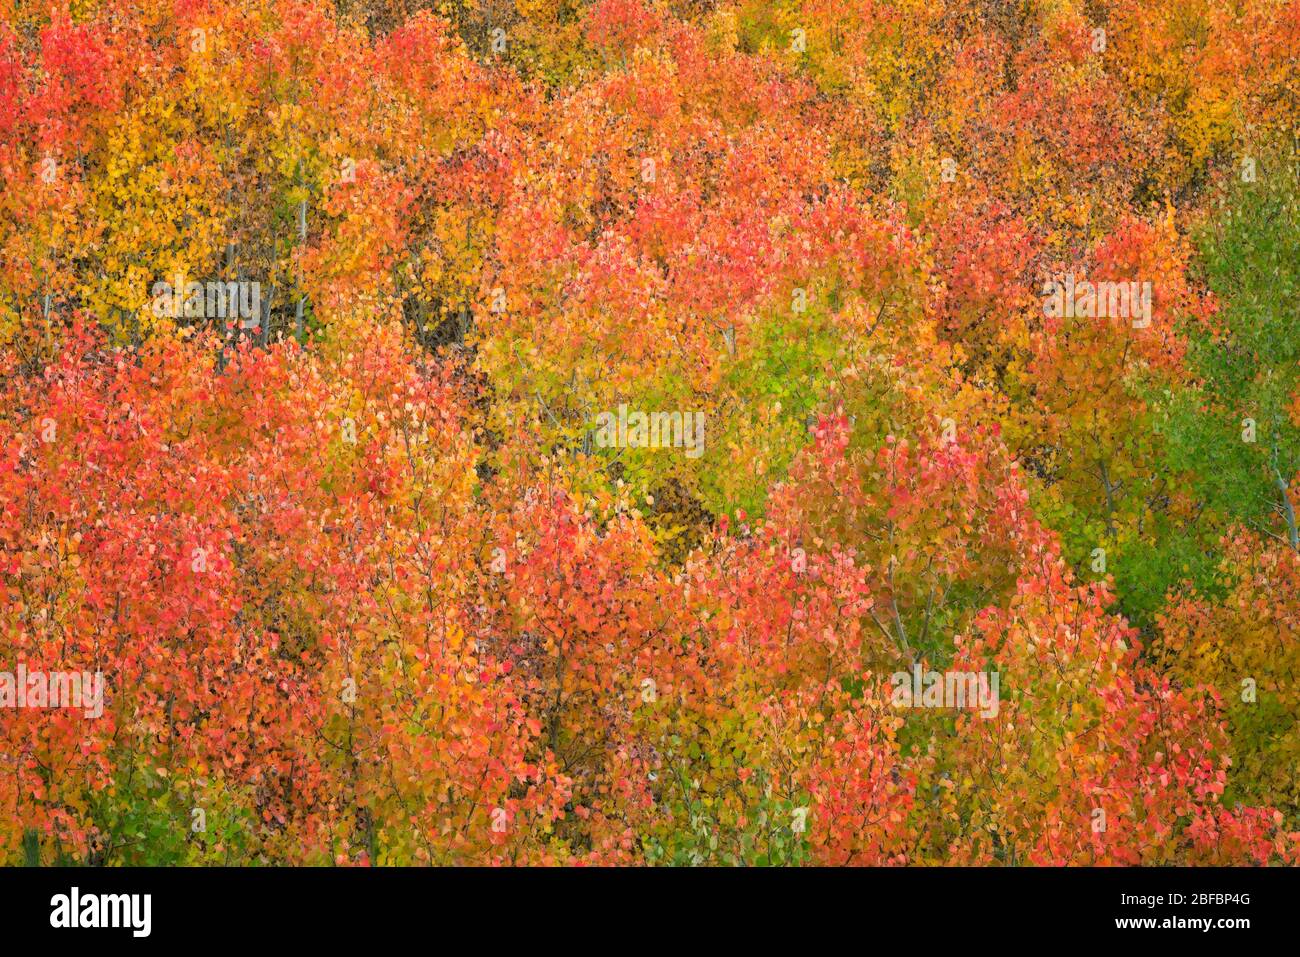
x: 366, y: 587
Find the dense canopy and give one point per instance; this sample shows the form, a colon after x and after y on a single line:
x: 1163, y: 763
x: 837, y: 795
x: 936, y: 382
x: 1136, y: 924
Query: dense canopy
x: 541, y: 431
